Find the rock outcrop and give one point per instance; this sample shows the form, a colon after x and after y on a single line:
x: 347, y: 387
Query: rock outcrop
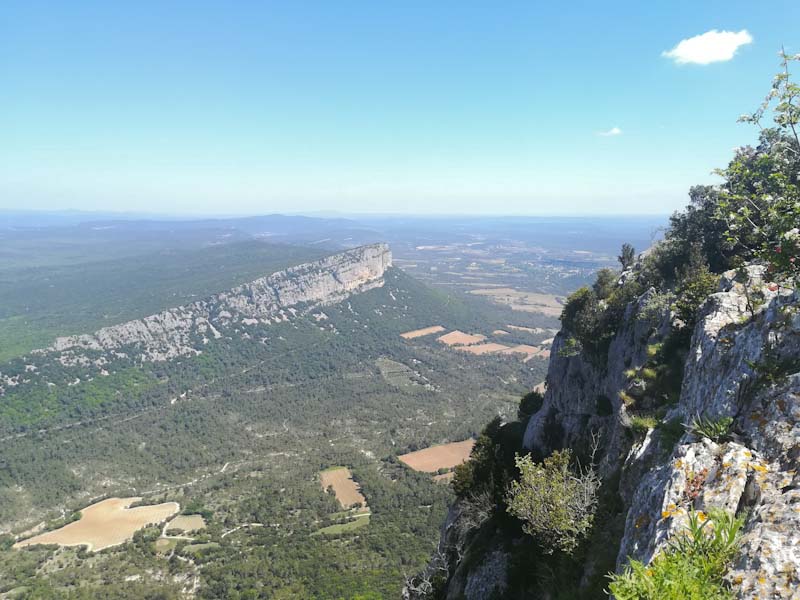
x: 184, y: 330
x: 744, y: 364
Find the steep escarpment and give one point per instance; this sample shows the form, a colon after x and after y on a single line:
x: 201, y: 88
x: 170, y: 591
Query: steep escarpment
x: 662, y: 462
x: 742, y: 369
x: 185, y: 330
x: 172, y: 332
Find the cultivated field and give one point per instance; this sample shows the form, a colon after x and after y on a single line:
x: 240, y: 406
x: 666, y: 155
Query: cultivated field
x: 487, y: 348
x: 459, y: 338
x: 445, y: 456
x: 545, y: 304
x: 107, y: 523
x: 410, y: 335
x: 533, y: 330
x: 346, y: 490
x: 186, y: 523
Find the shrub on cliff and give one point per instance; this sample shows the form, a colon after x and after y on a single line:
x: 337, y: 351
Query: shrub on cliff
x: 759, y: 200
x: 529, y: 405
x: 696, y: 283
x: 581, y: 313
x: 554, y: 500
x: 692, y: 567
x: 491, y: 463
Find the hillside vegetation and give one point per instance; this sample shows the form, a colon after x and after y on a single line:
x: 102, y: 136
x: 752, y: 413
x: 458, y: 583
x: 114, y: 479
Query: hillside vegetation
x: 240, y: 433
x: 39, y: 304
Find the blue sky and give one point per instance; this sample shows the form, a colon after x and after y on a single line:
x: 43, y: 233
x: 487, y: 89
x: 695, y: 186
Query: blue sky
x: 420, y: 107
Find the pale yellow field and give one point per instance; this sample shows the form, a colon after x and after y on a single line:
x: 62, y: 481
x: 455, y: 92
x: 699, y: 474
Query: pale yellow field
x: 445, y: 456
x: 410, y: 335
x: 107, y: 523
x: 187, y: 523
x: 346, y: 490
x: 459, y: 338
x: 487, y: 348
x: 546, y: 304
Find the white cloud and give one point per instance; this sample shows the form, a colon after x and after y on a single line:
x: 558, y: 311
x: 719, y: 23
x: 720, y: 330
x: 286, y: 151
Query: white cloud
x: 611, y: 132
x: 709, y: 47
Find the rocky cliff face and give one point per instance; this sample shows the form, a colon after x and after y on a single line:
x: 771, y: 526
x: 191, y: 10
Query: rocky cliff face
x: 743, y: 363
x: 184, y: 330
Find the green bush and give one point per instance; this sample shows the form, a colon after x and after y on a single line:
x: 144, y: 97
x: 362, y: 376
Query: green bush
x: 581, y: 313
x: 759, y: 200
x: 491, y: 463
x: 627, y: 256
x: 717, y: 430
x: 529, y: 405
x: 555, y: 501
x: 692, y: 567
x: 605, y: 283
x: 696, y: 283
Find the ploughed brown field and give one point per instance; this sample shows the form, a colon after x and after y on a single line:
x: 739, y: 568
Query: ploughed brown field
x: 346, y: 490
x: 528, y: 351
x: 444, y: 456
x: 459, y: 338
x: 104, y: 524
x: 487, y: 348
x: 410, y: 335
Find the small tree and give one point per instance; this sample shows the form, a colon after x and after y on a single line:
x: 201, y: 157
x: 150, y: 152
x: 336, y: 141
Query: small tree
x: 581, y: 313
x: 695, y: 283
x: 627, y: 256
x: 555, y: 501
x: 529, y: 405
x: 759, y: 201
x: 605, y: 283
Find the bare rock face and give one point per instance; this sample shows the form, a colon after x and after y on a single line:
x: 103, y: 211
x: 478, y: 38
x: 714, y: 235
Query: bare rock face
x: 743, y: 364
x: 180, y: 331
x: 582, y: 404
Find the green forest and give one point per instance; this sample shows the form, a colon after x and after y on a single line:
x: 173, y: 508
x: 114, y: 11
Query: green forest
x: 240, y: 433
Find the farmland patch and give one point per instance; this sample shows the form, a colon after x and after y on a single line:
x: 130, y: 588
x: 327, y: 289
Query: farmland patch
x: 443, y: 456
x: 347, y: 491
x: 487, y: 348
x: 546, y: 304
x: 104, y: 524
x: 186, y: 523
x: 410, y: 335
x: 459, y: 338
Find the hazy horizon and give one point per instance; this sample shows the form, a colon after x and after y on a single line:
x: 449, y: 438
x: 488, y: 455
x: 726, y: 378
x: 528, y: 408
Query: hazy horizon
x: 412, y: 109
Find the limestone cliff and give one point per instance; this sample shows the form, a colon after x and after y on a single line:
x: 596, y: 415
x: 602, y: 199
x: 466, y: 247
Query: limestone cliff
x: 184, y: 330
x: 743, y: 363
